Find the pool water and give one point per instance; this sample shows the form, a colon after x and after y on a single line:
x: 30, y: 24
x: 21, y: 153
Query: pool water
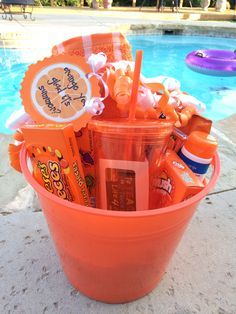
x: 163, y: 55
x: 14, y: 63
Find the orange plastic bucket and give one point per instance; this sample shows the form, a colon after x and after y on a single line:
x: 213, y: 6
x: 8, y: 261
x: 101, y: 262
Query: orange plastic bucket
x: 115, y: 256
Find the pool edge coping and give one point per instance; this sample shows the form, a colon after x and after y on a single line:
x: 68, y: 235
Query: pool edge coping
x: 17, y: 39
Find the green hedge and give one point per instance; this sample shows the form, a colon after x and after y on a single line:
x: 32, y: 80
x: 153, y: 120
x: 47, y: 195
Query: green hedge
x: 62, y: 3
x: 152, y: 3
x: 232, y: 4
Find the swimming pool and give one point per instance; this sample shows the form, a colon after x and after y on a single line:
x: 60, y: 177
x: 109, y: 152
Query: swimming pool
x: 14, y: 63
x: 163, y: 55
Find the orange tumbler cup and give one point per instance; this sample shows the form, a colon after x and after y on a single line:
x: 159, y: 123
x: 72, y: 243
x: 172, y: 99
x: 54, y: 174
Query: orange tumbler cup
x: 127, y: 155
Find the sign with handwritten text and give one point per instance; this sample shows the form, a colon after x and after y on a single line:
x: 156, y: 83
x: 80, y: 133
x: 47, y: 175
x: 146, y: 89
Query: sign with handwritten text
x: 58, y: 89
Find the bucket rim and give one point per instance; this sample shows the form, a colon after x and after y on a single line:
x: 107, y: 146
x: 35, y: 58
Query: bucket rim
x: 132, y: 214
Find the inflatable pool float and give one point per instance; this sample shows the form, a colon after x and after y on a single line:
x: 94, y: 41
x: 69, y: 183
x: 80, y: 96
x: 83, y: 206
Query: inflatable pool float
x: 212, y: 62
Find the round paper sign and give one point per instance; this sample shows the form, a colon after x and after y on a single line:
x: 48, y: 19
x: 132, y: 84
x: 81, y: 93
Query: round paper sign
x: 58, y: 90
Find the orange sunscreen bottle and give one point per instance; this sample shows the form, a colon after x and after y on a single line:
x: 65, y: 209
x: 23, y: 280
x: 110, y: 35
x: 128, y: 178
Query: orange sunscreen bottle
x: 198, y: 151
x: 56, y: 161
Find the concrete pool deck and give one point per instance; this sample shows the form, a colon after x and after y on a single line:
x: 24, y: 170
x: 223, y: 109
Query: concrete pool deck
x: 53, y: 25
x: 201, y: 277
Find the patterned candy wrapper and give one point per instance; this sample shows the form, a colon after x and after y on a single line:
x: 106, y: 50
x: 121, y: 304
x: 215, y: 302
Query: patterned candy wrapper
x: 56, y: 161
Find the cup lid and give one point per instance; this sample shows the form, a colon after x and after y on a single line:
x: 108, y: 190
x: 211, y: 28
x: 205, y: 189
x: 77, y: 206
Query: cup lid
x: 136, y: 127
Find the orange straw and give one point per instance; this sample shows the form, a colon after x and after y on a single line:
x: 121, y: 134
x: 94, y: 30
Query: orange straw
x: 133, y: 100
x: 135, y: 85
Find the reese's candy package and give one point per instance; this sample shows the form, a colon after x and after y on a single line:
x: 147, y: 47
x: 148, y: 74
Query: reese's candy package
x: 56, y: 161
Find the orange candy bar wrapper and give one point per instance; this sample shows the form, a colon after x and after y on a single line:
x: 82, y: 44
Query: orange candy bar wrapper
x: 175, y: 182
x: 56, y: 161
x: 85, y: 145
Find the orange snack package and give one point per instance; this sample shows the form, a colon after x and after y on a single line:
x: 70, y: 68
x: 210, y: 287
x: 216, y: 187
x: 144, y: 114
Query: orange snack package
x: 177, y: 140
x: 175, y: 181
x: 197, y: 123
x: 56, y: 161
x: 85, y: 145
x: 179, y: 135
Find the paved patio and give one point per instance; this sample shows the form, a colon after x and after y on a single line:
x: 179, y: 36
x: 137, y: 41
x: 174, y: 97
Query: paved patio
x: 201, y: 277
x: 54, y: 25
